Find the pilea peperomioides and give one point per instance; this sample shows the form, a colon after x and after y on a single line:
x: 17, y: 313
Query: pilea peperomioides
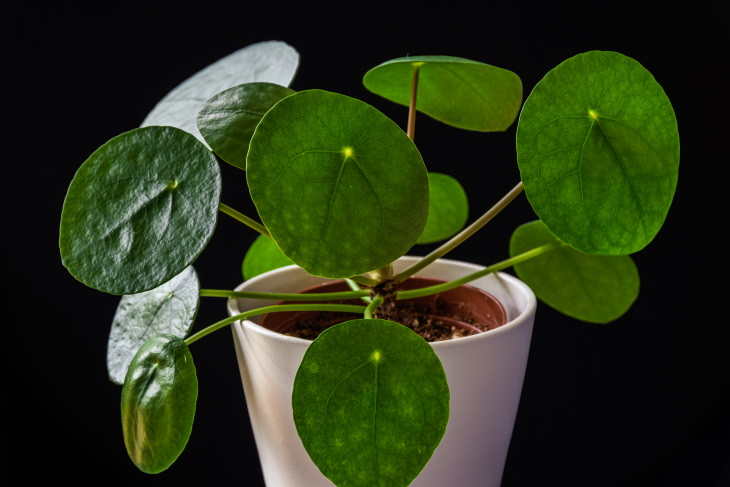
x: 342, y: 191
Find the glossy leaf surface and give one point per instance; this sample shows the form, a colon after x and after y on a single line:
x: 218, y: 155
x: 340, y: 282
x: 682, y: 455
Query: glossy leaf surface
x: 448, y: 208
x: 598, y: 152
x: 227, y: 120
x: 592, y: 288
x: 140, y: 210
x: 456, y: 91
x: 371, y: 403
x: 262, y: 256
x: 271, y: 62
x: 340, y: 187
x: 168, y: 309
x: 158, y: 403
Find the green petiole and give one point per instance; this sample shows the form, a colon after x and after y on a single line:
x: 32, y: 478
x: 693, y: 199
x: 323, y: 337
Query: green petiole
x: 377, y: 301
x: 462, y: 236
x: 426, y: 291
x: 224, y: 293
x: 237, y: 215
x: 346, y: 308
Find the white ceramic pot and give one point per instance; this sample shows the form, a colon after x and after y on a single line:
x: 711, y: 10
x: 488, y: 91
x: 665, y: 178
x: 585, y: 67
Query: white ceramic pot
x: 485, y: 373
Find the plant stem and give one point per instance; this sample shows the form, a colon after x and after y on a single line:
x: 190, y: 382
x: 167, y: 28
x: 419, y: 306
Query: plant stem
x: 517, y: 259
x: 356, y: 287
x: 243, y: 219
x: 225, y: 293
x: 377, y: 301
x: 380, y: 275
x: 411, y: 130
x: 461, y: 236
x: 352, y: 285
x: 346, y: 308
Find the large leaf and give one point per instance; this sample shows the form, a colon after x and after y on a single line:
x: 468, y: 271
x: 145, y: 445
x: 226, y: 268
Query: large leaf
x: 140, y: 210
x: 456, y: 91
x: 592, y: 288
x: 168, y: 309
x: 341, y: 188
x: 448, y: 208
x: 158, y: 403
x: 262, y: 256
x: 598, y: 152
x: 371, y: 403
x: 271, y: 62
x: 227, y: 120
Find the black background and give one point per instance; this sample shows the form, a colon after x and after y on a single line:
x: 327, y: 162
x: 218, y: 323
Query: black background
x: 640, y: 402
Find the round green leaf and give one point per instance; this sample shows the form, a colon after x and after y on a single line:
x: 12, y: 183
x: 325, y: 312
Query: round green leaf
x: 341, y: 188
x: 271, y: 62
x: 598, y: 153
x: 371, y: 403
x: 227, y: 120
x: 168, y: 309
x: 140, y: 210
x: 158, y: 403
x: 262, y: 256
x: 456, y: 91
x: 592, y: 288
x: 448, y: 208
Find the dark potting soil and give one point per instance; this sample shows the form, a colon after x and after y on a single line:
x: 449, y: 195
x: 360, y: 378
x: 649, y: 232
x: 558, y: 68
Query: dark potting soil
x: 455, y: 313
x: 433, y: 322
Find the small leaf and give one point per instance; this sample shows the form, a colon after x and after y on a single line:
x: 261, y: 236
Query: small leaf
x: 227, y: 120
x: 168, y: 309
x: 456, y: 91
x: 371, y: 403
x: 448, y: 208
x: 262, y: 256
x: 341, y: 188
x: 140, y: 210
x: 598, y: 152
x: 158, y: 403
x: 592, y: 288
x: 271, y: 62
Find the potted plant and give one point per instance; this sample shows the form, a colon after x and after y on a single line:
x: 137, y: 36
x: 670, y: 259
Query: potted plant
x: 342, y: 195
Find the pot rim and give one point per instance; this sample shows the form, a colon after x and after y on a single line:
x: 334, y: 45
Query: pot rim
x: 528, y: 296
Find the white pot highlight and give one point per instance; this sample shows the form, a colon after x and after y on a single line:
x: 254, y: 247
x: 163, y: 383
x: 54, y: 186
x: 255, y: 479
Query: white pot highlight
x: 485, y: 374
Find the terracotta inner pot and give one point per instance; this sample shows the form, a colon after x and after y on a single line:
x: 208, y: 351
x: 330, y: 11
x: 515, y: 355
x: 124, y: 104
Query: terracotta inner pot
x: 456, y: 313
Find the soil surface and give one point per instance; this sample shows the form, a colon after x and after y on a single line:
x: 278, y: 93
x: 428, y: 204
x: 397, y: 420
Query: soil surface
x: 434, y: 321
x: 432, y: 328
x: 456, y: 313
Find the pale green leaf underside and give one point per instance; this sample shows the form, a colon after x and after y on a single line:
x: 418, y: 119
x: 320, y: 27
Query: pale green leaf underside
x: 270, y: 61
x: 598, y: 152
x: 371, y: 403
x: 592, y: 288
x: 262, y: 256
x: 227, y: 121
x: 168, y: 309
x: 448, y: 208
x: 140, y: 210
x: 158, y: 404
x: 340, y: 187
x: 456, y: 91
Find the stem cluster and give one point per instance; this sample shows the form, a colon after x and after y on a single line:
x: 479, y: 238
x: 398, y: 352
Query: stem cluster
x: 380, y: 275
